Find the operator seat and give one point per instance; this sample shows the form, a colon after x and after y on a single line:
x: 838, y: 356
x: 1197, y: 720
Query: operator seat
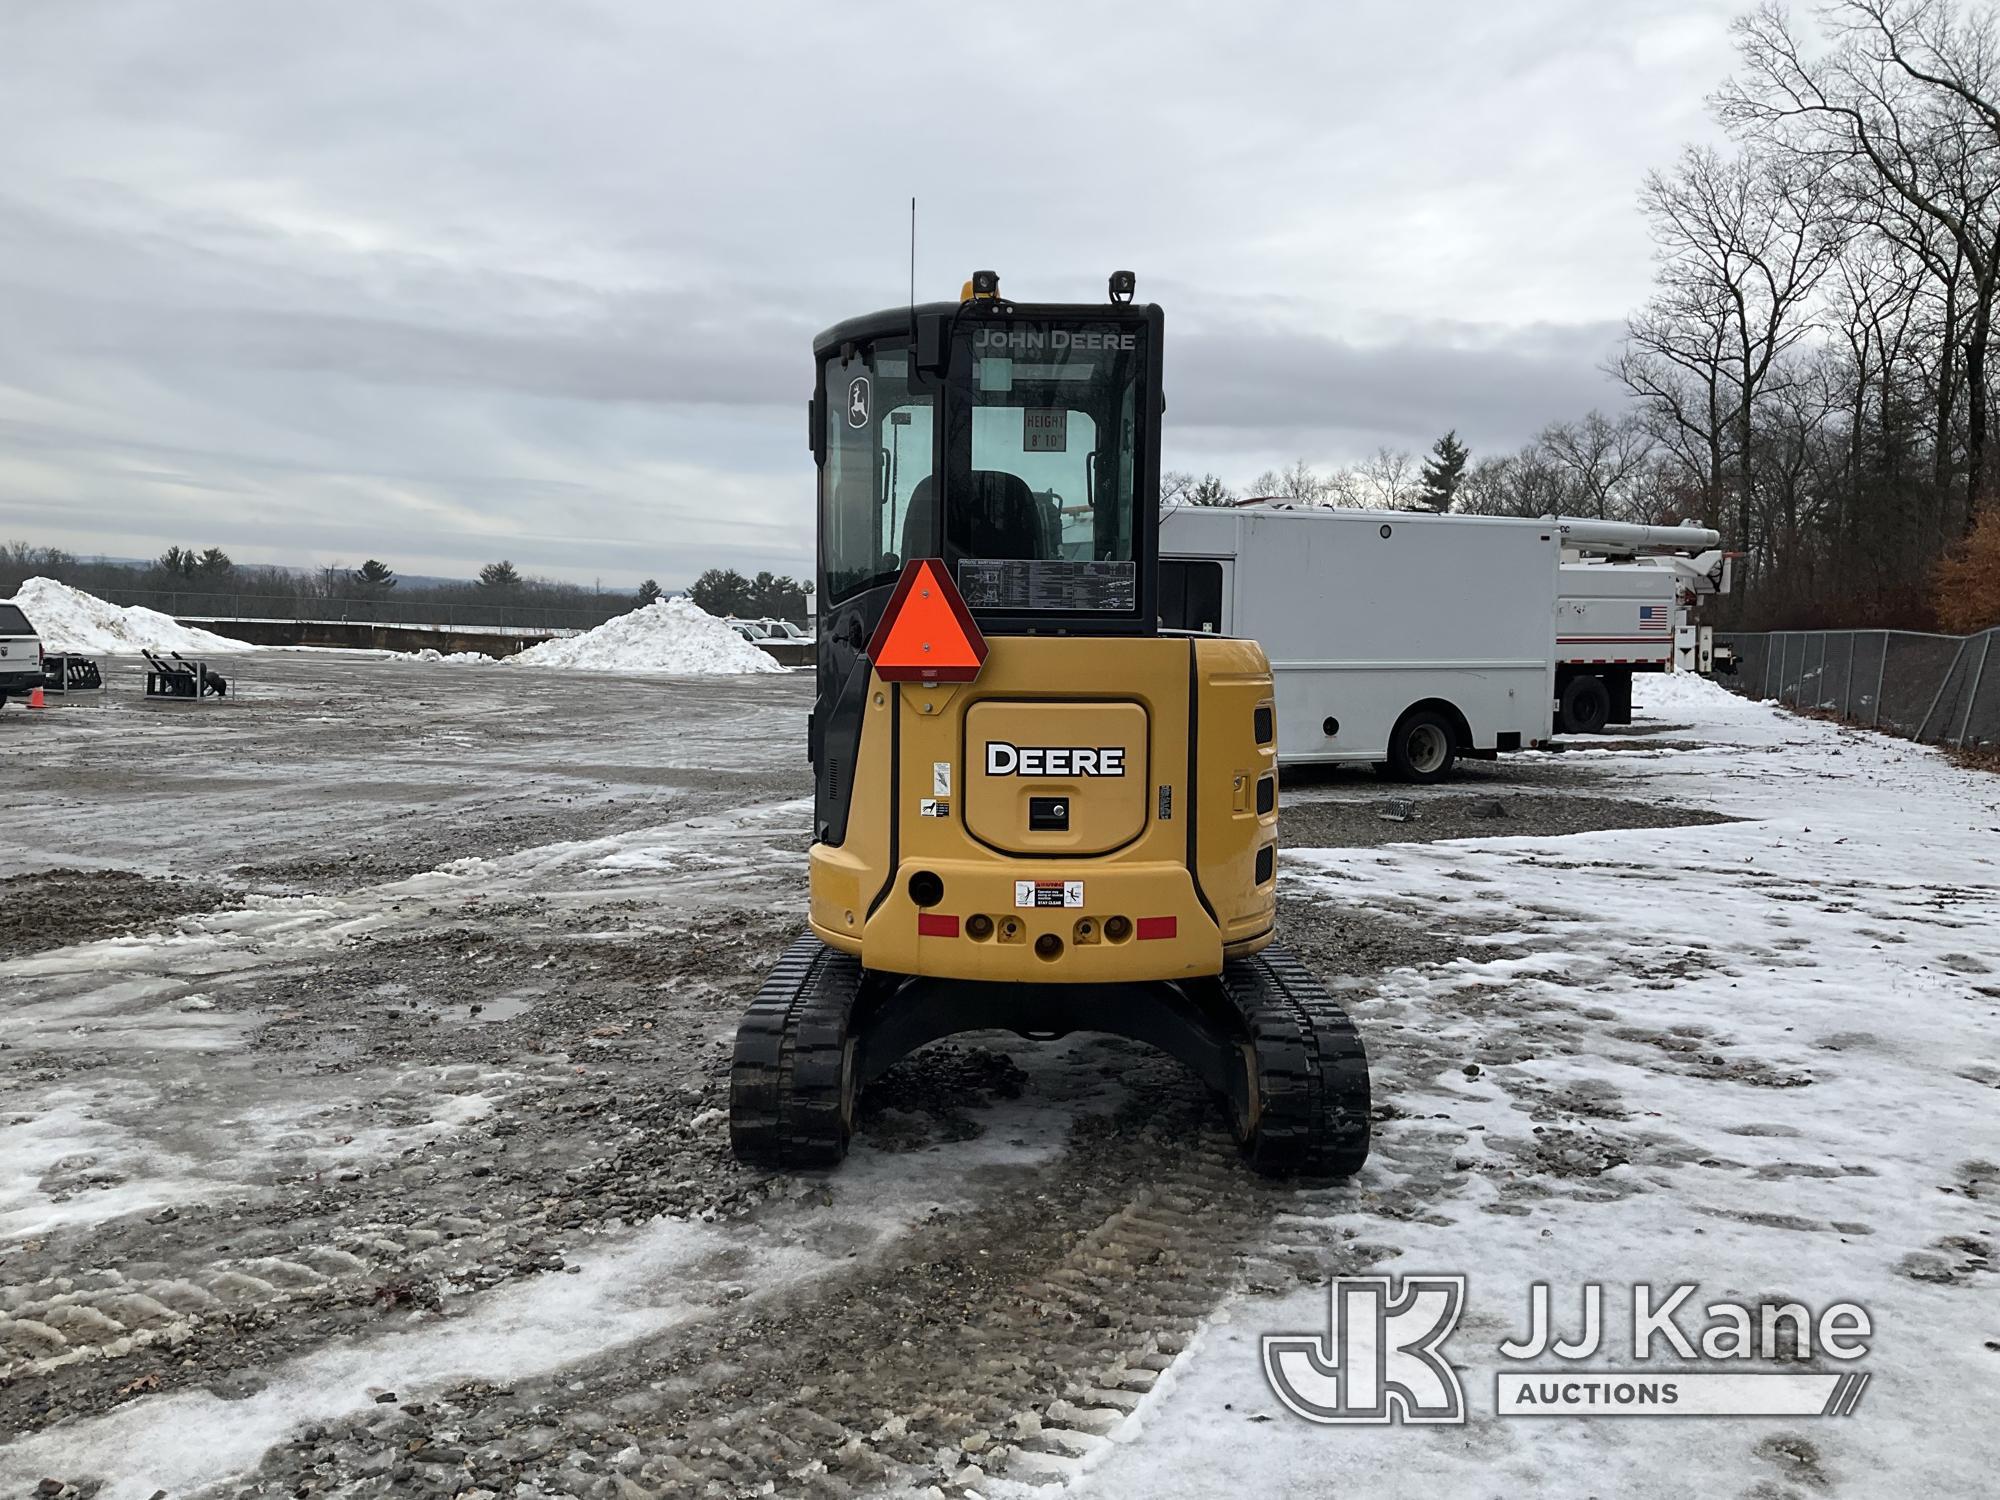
x: 994, y: 514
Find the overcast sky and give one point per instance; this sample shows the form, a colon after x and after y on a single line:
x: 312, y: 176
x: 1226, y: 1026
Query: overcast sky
x: 446, y: 282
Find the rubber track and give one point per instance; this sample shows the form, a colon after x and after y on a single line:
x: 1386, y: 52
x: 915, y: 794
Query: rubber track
x: 786, y: 1106
x: 1312, y: 1071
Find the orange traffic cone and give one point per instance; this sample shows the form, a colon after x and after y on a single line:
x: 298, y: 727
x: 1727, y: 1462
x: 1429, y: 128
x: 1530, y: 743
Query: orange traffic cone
x: 35, y: 699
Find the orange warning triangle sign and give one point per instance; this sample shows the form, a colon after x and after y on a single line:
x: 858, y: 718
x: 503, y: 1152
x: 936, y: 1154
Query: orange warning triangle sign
x: 927, y: 634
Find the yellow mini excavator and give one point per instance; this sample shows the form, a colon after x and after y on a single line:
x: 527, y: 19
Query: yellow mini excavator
x: 1038, y: 807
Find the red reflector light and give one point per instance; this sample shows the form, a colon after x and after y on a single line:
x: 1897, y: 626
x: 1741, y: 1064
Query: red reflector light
x: 1157, y: 927
x: 930, y: 924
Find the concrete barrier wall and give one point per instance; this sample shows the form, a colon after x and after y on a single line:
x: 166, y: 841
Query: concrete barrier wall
x: 1939, y: 689
x: 362, y: 635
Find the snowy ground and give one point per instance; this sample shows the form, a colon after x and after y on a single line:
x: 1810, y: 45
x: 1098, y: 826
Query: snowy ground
x: 1762, y: 1056
x: 389, y: 1150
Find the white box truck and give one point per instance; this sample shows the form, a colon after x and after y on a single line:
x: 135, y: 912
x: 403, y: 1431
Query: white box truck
x: 1627, y: 596
x: 1398, y: 639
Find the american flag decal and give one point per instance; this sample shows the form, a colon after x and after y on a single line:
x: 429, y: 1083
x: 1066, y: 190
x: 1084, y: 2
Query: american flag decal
x: 1654, y: 619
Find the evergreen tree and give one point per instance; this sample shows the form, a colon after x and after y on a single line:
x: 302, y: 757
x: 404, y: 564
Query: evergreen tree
x: 649, y: 592
x: 1444, y: 471
x: 499, y: 577
x: 1210, y: 490
x: 722, y: 592
x: 375, y: 576
x: 778, y: 598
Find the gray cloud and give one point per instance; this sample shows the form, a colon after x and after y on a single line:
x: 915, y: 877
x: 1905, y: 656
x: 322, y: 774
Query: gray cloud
x: 1325, y: 397
x: 441, y: 281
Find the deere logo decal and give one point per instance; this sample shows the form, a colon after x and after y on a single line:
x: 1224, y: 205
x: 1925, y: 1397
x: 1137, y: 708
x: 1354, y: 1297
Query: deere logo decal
x: 1003, y: 759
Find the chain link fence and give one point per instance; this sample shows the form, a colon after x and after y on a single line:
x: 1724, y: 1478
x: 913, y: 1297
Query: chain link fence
x: 1938, y: 689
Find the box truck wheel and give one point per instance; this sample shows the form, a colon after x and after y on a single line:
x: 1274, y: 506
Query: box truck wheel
x: 1423, y: 746
x: 1586, y: 706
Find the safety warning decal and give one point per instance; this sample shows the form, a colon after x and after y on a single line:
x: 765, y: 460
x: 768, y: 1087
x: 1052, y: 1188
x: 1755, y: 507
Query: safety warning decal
x: 931, y: 807
x: 1048, y: 893
x: 940, y: 778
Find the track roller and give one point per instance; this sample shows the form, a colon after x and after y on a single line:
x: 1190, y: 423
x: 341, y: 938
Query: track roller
x: 792, y: 1086
x: 1310, y: 1111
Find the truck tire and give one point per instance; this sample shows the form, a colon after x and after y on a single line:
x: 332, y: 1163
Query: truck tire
x: 1586, y: 706
x: 1423, y: 747
x: 1620, y: 685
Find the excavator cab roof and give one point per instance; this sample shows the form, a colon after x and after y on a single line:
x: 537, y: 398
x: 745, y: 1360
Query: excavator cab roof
x: 1019, y: 442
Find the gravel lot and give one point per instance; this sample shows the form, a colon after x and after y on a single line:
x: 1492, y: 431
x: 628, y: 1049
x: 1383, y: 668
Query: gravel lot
x: 363, y: 1103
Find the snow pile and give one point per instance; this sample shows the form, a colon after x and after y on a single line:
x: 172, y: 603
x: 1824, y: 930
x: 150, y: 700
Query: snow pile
x: 431, y: 653
x: 68, y: 619
x: 669, y: 635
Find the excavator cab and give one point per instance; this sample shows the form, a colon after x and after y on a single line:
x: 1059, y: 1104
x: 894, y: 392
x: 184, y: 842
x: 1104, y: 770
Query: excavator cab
x: 1033, y: 809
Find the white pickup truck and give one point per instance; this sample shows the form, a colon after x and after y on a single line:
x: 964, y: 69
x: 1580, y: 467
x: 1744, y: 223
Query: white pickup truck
x: 20, y: 654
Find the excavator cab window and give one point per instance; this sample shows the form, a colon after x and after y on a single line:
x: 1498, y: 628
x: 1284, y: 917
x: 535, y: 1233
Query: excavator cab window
x: 879, y: 445
x: 1042, y: 461
x: 1020, y: 446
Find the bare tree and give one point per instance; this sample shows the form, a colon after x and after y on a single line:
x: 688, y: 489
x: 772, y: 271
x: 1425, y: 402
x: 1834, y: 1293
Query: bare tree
x: 1487, y: 489
x: 1746, y: 237
x: 1298, y: 481
x: 1601, y: 459
x: 1909, y: 93
x: 1872, y: 314
x: 1390, y: 479
x: 1790, y: 456
x: 1934, y: 265
x: 1675, y: 362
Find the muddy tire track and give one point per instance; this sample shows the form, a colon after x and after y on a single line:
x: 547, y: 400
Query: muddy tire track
x: 1007, y: 1341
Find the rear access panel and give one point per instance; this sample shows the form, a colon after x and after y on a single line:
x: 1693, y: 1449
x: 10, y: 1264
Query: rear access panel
x: 1055, y: 778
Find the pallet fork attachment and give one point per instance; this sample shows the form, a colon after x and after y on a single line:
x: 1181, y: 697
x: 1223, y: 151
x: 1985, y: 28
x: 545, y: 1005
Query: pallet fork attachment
x: 182, y: 678
x: 67, y: 672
